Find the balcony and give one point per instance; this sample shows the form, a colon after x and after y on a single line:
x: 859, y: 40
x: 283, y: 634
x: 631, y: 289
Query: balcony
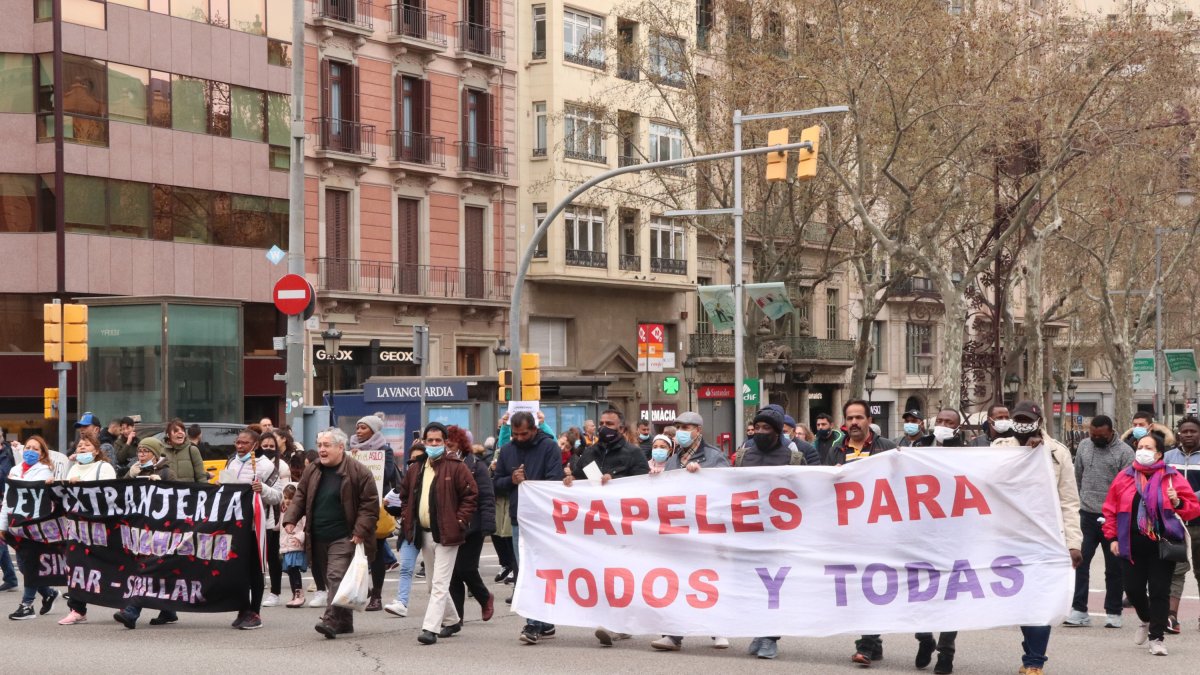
x: 585, y: 156
x: 631, y: 263
x: 480, y: 43
x: 581, y: 258
x: 368, y: 277
x: 345, y: 140
x: 346, y: 16
x: 796, y: 348
x: 488, y: 161
x: 411, y: 147
x: 590, y: 58
x: 417, y: 29
x: 628, y: 71
x: 668, y: 266
x: 920, y: 287
x: 628, y: 160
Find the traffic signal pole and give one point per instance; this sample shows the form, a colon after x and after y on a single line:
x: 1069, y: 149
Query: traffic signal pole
x: 294, y: 377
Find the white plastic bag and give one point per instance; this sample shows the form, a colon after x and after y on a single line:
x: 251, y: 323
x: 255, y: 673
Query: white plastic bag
x: 355, y: 589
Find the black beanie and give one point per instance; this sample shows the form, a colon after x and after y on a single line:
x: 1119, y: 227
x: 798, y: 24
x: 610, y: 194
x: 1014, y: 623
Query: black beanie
x: 772, y: 417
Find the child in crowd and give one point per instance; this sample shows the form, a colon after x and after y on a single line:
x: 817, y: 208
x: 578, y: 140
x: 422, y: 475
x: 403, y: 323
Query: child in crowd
x: 291, y: 547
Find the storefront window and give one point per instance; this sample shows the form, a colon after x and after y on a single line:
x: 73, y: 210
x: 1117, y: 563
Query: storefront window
x: 123, y: 374
x: 205, y: 357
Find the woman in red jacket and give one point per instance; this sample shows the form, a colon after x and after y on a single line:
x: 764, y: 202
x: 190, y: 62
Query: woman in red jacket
x: 1145, y: 504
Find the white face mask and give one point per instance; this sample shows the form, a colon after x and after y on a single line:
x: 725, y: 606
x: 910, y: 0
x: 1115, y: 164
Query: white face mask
x: 1145, y: 457
x: 1002, y: 426
x: 943, y: 434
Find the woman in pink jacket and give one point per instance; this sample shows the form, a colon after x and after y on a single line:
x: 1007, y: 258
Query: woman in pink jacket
x: 1144, y: 505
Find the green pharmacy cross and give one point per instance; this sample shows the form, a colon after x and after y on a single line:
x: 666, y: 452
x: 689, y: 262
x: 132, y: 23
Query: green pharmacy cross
x: 670, y: 385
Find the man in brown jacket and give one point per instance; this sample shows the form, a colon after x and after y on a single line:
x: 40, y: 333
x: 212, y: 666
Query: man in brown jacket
x: 340, y: 504
x: 439, y: 497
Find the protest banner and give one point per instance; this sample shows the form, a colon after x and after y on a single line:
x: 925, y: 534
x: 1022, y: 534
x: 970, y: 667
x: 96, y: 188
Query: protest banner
x: 915, y: 540
x: 186, y: 547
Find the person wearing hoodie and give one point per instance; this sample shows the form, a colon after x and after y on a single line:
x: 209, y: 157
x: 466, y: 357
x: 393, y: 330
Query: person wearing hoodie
x: 796, y: 442
x: 1143, y: 423
x: 1144, y: 507
x: 186, y: 462
x: 914, y: 429
x: 827, y: 436
x: 1186, y: 460
x: 368, y: 436
x: 1098, y: 460
x: 531, y: 455
x: 998, y: 425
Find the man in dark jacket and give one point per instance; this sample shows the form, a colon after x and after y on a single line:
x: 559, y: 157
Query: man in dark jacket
x: 827, y: 436
x: 466, y: 565
x: 337, y: 498
x: 645, y: 435
x: 692, y: 448
x: 914, y: 428
x: 859, y: 442
x: 611, y: 453
x: 6, y: 565
x: 530, y: 455
x: 998, y: 425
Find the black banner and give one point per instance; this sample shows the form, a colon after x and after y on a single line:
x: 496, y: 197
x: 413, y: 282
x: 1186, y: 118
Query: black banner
x: 186, y: 547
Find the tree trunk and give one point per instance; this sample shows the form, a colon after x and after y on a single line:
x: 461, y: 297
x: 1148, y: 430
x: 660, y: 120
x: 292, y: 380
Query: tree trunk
x: 950, y: 380
x: 1122, y: 374
x: 1038, y: 380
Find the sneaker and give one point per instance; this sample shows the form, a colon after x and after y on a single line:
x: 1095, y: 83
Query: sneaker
x: 393, y: 566
x: 754, y: 645
x: 125, y: 620
x: 240, y: 619
x: 48, y: 602
x: 529, y: 635
x: 720, y: 643
x: 375, y: 605
x: 7, y: 586
x: 508, y: 600
x: 861, y: 659
x: 549, y: 633
x: 769, y: 649
x: 396, y: 609
x: 944, y: 665
x: 72, y: 618
x: 251, y: 622
x: 23, y: 613
x: 164, y: 619
x: 328, y: 631
x: 605, y: 637
x: 270, y: 600
x: 504, y: 572
x: 1077, y: 619
x: 420, y: 572
x: 1143, y: 633
x: 667, y: 644
x: 925, y: 649
x: 296, y: 601
x: 1113, y: 621
x: 319, y: 599
x: 1173, y: 625
x: 1157, y: 648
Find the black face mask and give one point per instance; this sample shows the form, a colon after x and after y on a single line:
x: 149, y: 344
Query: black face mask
x: 608, y: 437
x: 269, y: 452
x: 526, y: 444
x: 765, y: 440
x: 1100, y: 442
x: 824, y: 433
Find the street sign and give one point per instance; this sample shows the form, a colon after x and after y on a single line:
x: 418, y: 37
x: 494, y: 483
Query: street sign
x: 276, y: 255
x: 670, y: 385
x: 711, y: 391
x: 750, y: 391
x: 292, y: 294
x: 1143, y: 370
x: 650, y: 347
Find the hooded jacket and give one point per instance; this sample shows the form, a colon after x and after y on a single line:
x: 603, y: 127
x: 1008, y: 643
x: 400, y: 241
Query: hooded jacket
x: 1167, y: 434
x: 542, y: 460
x: 1095, y: 469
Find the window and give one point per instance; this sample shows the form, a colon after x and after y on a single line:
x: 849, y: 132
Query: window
x: 539, y: 215
x: 548, y: 338
x: 773, y: 34
x: 279, y: 134
x: 878, y: 361
x: 703, y: 322
x: 667, y: 60
x: 740, y: 21
x: 408, y: 244
x: 627, y: 58
x: 583, y: 134
x: 539, y: 129
x: 248, y: 114
x: 1078, y: 367
x: 193, y: 10
x: 18, y: 202
x: 90, y: 13
x: 129, y: 209
x: 86, y: 205
x: 469, y: 361
x: 585, y: 229
x: 219, y: 108
x: 628, y: 129
x: 668, y: 240
x: 918, y: 348
x: 247, y: 16
x: 189, y: 110
x: 539, y: 31
x: 160, y: 99
x: 631, y: 260
x: 666, y: 142
x: 831, y: 313
x: 16, y: 83
x: 704, y: 23
x: 128, y: 97
x: 583, y: 38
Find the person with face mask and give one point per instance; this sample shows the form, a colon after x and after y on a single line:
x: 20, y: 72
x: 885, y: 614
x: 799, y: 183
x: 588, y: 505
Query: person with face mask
x: 645, y: 438
x: 149, y: 463
x: 1146, y: 505
x: 998, y: 425
x: 268, y: 447
x: 827, y: 436
x: 1027, y: 430
x: 91, y: 464
x: 1143, y: 424
x: 797, y: 442
x: 914, y: 428
x: 1186, y: 460
x: 1098, y: 460
x: 661, y: 449
x: 34, y: 465
x: 368, y: 437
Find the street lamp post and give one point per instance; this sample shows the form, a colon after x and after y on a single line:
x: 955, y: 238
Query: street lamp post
x: 331, y: 339
x: 1012, y: 384
x: 689, y: 375
x: 1071, y: 389
x: 1171, y: 394
x: 869, y: 381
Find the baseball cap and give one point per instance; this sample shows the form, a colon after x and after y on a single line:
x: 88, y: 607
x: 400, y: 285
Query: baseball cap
x: 87, y: 419
x: 914, y: 413
x: 690, y: 417
x: 1027, y: 409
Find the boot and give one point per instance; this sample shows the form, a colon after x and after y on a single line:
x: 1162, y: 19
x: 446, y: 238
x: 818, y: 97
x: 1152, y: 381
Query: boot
x: 297, y: 599
x: 944, y: 665
x: 1173, y: 616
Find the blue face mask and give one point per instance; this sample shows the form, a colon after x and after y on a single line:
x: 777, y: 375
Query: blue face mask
x: 659, y: 455
x: 642, y: 437
x: 242, y: 458
x: 1140, y: 432
x: 911, y: 428
x: 787, y: 438
x: 435, y: 451
x: 577, y: 442
x: 84, y: 457
x: 683, y: 438
x: 31, y: 457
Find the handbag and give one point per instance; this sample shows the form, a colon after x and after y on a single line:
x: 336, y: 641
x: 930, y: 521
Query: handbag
x: 386, y: 524
x: 1172, y: 551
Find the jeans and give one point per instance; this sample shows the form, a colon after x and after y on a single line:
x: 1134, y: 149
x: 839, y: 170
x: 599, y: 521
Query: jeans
x: 32, y: 592
x: 1148, y: 571
x: 330, y: 560
x: 1037, y: 641
x: 408, y: 561
x: 136, y: 612
x: 6, y: 565
x: 540, y: 626
x: 1093, y: 537
x: 466, y: 573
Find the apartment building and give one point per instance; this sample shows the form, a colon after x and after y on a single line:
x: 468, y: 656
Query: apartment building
x: 144, y: 173
x: 410, y: 189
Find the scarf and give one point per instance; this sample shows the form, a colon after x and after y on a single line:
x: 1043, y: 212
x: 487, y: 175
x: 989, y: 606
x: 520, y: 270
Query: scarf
x: 375, y: 442
x: 656, y: 467
x: 1154, y: 518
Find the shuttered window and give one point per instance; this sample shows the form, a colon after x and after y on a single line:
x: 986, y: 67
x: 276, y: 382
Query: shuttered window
x: 548, y: 338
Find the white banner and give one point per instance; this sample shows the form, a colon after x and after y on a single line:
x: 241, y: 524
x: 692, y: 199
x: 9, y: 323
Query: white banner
x: 915, y: 540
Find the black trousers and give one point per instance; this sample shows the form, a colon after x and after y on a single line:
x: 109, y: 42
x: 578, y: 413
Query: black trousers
x: 871, y: 645
x: 1148, y: 585
x: 945, y: 641
x: 1093, y: 537
x: 274, y: 563
x: 504, y: 551
x: 466, y: 573
x: 254, y: 602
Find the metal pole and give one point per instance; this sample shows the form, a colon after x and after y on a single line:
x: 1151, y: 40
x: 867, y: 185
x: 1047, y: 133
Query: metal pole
x: 739, y: 310
x: 421, y: 335
x: 1159, y: 370
x: 62, y: 367
x: 295, y: 324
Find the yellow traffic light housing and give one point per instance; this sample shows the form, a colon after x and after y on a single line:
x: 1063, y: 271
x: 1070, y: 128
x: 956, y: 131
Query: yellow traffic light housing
x: 777, y: 162
x: 504, y: 390
x: 75, y: 333
x: 531, y: 377
x: 50, y: 403
x: 52, y: 332
x: 806, y: 167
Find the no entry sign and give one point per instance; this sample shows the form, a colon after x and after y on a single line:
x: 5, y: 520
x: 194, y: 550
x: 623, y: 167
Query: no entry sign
x: 292, y: 294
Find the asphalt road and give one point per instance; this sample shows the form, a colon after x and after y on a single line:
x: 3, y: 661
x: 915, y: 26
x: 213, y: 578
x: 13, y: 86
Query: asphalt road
x: 287, y: 643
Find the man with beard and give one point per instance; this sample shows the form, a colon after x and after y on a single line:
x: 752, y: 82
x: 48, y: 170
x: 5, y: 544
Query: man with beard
x: 999, y: 425
x: 827, y: 436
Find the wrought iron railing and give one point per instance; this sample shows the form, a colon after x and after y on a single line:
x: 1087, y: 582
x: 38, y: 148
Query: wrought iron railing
x: 418, y: 148
x: 631, y: 263
x: 430, y: 281
x: 803, y: 348
x: 585, y: 57
x: 582, y: 258
x: 628, y: 160
x: 474, y: 38
x: 354, y: 12
x: 586, y: 156
x: 418, y: 23
x: 352, y: 138
x: 668, y: 266
x: 480, y: 158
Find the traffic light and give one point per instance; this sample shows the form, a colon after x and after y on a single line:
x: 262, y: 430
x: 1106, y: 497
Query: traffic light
x: 777, y: 162
x: 531, y: 377
x: 50, y: 403
x: 504, y: 388
x: 65, y: 332
x: 806, y: 168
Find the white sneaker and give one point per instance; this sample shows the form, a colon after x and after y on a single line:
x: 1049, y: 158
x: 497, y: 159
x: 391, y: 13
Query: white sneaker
x: 666, y: 644
x: 720, y: 643
x: 1077, y: 619
x: 1143, y: 633
x: 396, y: 608
x: 1112, y: 621
x: 270, y: 600
x: 1157, y: 648
x: 312, y: 587
x: 321, y: 598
